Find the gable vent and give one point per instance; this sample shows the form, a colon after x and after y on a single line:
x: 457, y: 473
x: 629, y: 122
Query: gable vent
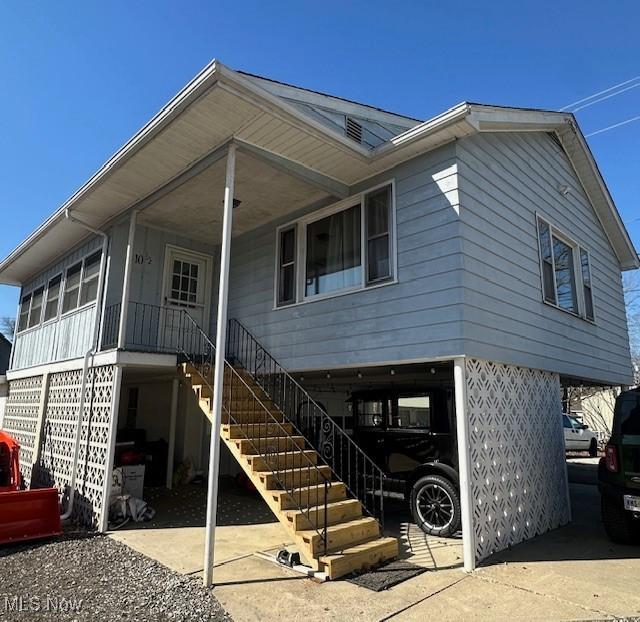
x: 354, y: 130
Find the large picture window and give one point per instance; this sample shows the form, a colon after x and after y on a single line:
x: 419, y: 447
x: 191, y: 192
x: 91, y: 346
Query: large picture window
x: 347, y: 247
x: 566, y: 272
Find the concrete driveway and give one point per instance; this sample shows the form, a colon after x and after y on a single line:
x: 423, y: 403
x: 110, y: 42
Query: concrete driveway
x: 573, y: 573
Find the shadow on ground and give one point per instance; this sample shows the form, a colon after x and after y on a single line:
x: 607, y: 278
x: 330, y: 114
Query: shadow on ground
x: 582, y: 539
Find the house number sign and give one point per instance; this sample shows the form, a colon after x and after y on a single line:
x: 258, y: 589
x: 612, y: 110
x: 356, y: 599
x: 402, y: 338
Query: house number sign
x: 141, y: 259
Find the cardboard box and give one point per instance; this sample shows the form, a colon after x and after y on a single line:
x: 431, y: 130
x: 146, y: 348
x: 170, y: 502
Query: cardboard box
x: 128, y: 480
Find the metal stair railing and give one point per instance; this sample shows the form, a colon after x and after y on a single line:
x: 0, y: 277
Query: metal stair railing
x: 199, y: 352
x: 363, y: 478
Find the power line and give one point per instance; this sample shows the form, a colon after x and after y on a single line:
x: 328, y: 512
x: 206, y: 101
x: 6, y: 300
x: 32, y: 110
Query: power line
x: 595, y: 101
x: 611, y: 127
x: 611, y: 88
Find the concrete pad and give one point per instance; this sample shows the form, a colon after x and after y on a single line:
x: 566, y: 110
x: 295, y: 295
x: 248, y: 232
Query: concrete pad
x: 256, y: 590
x: 475, y: 599
x: 182, y: 548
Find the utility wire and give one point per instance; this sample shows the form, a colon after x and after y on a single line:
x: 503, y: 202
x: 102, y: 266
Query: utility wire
x: 611, y: 127
x: 611, y: 88
x: 595, y: 101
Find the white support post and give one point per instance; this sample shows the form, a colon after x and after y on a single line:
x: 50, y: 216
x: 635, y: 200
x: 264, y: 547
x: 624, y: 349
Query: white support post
x: 218, y: 379
x: 464, y: 464
x: 175, y: 384
x: 126, y: 282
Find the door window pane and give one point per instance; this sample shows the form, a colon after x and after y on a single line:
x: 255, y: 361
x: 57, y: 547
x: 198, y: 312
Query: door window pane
x: 184, y: 282
x: 334, y: 253
x: 53, y: 297
x: 36, y: 307
x: 565, y: 277
x: 413, y: 412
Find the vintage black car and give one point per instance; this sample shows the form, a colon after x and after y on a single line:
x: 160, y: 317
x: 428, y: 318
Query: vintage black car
x: 410, y: 434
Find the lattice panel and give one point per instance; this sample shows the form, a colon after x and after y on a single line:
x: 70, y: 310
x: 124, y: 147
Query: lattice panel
x: 518, y: 469
x: 21, y: 418
x: 58, y: 434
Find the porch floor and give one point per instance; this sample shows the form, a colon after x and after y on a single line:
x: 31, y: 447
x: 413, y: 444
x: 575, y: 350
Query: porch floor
x: 175, y: 537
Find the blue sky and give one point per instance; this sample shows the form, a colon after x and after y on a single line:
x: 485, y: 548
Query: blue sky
x: 78, y: 79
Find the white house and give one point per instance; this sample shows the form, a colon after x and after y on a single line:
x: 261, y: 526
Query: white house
x: 373, y: 277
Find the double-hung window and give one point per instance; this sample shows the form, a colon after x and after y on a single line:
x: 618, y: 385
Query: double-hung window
x: 35, y: 313
x: 23, y: 316
x: 53, y: 298
x: 90, y: 275
x: 71, y: 294
x: 566, y: 272
x: 346, y: 247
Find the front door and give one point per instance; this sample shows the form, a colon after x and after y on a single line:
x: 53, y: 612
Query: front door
x: 187, y: 288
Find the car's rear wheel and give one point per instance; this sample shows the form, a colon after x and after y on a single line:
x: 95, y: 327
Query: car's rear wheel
x: 617, y: 523
x: 593, y: 448
x: 435, y: 505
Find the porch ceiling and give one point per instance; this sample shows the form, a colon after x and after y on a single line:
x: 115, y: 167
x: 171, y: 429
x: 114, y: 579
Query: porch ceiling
x: 195, y: 207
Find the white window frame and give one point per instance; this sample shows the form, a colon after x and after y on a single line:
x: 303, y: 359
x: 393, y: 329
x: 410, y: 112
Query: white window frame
x: 577, y: 269
x: 46, y: 300
x: 42, y: 290
x: 582, y: 249
x: 86, y: 305
x: 301, y: 225
x: 19, y: 330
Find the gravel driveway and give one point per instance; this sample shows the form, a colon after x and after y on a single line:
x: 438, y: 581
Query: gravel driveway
x: 91, y: 577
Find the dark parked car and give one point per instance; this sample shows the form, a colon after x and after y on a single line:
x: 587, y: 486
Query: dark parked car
x: 410, y: 434
x: 619, y: 471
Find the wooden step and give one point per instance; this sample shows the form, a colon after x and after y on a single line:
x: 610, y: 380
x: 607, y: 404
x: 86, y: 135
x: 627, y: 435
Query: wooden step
x: 307, y: 496
x: 359, y: 557
x: 304, y: 476
x: 256, y: 430
x: 283, y: 460
x: 274, y: 444
x: 336, y: 512
x: 251, y: 417
x: 342, y: 536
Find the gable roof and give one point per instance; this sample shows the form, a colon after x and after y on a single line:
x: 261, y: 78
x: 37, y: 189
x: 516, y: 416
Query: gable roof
x: 220, y: 105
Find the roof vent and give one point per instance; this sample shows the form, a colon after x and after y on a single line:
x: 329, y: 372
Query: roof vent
x: 354, y: 130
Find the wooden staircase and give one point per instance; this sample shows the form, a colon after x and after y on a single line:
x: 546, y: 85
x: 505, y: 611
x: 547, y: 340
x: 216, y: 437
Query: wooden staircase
x: 292, y: 479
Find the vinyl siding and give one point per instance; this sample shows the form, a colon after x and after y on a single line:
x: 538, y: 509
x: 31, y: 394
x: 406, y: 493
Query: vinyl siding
x: 66, y: 337
x: 147, y: 277
x: 417, y: 318
x: 505, y: 179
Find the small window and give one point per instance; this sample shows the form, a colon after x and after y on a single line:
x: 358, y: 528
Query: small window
x: 53, y: 298
x: 287, y: 266
x: 35, y: 312
x: 23, y: 318
x: 72, y: 288
x: 90, y: 277
x: 371, y: 413
x: 586, y: 284
x: 378, y: 232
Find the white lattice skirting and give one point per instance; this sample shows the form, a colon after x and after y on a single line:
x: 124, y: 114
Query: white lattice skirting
x: 517, y: 461
x: 57, y: 434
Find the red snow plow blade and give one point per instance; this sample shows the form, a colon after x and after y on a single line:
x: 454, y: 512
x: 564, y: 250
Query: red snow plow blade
x: 24, y: 514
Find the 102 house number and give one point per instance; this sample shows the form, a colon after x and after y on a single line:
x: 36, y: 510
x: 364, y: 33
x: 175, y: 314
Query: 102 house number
x: 141, y: 259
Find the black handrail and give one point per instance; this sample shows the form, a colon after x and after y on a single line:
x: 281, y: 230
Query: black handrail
x: 240, y: 399
x: 363, y: 478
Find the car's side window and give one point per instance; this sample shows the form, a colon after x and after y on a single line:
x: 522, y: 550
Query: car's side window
x: 566, y: 422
